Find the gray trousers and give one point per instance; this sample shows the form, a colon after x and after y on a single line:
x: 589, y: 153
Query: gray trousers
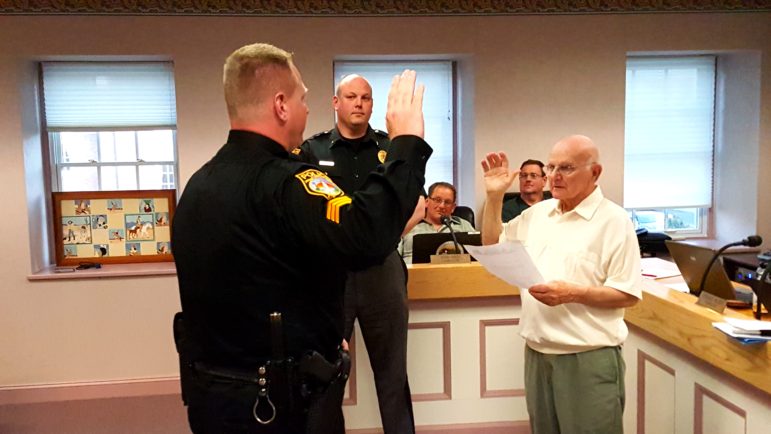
x: 377, y: 297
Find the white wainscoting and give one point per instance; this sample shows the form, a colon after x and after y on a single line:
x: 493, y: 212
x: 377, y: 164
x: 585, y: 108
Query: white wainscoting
x: 669, y: 391
x: 465, y: 365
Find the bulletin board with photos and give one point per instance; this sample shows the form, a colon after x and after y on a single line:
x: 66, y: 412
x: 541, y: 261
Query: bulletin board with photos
x: 113, y: 227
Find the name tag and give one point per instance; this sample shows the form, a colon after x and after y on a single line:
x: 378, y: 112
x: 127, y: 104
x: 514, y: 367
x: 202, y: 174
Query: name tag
x: 326, y: 163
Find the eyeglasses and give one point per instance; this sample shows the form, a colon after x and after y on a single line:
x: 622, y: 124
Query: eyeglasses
x: 440, y: 201
x: 564, y: 169
x: 530, y: 175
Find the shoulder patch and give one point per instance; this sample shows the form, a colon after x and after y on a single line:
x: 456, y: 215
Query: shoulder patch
x: 317, y: 183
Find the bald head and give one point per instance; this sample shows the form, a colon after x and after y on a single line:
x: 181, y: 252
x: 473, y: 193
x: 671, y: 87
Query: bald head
x: 574, y: 169
x: 352, y: 80
x: 353, y: 106
x: 581, y: 148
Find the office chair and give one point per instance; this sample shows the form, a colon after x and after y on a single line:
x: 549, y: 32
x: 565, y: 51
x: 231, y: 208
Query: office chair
x: 465, y: 213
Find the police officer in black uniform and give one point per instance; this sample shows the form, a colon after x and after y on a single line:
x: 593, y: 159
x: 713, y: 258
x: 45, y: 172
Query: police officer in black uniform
x: 375, y: 294
x: 261, y: 244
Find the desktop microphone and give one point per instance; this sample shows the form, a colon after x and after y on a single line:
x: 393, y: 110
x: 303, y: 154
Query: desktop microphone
x: 751, y: 241
x: 446, y: 220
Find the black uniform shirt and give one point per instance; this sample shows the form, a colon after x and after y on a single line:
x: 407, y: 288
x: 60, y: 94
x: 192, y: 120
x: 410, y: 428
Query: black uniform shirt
x: 256, y: 231
x: 346, y: 161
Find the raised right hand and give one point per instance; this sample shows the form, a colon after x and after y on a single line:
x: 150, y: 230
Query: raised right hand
x: 405, y: 106
x: 497, y: 177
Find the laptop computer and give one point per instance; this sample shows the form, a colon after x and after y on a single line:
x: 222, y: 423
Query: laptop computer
x: 425, y: 245
x: 692, y: 261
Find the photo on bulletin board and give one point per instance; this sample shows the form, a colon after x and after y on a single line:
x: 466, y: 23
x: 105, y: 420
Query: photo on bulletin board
x: 113, y: 227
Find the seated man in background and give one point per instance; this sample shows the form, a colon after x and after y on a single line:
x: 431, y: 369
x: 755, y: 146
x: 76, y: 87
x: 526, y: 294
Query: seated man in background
x: 440, y: 202
x: 532, y: 179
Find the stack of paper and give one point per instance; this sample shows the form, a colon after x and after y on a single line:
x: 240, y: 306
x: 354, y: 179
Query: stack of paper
x: 746, y: 331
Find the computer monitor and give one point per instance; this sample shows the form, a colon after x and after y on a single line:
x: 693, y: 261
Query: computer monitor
x: 425, y: 245
x: 692, y: 261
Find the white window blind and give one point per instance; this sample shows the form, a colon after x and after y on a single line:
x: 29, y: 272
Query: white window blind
x: 438, y: 100
x: 669, y: 132
x: 109, y: 95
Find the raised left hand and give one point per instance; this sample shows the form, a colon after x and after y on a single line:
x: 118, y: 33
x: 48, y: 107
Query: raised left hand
x: 404, y: 115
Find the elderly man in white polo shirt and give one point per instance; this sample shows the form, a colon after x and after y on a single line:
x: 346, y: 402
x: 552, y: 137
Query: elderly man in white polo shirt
x: 586, y: 248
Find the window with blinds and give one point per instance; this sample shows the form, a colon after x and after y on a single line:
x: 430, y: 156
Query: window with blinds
x: 110, y: 125
x: 669, y: 142
x: 438, y: 105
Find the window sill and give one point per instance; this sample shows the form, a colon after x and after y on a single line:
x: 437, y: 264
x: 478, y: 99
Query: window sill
x: 108, y: 271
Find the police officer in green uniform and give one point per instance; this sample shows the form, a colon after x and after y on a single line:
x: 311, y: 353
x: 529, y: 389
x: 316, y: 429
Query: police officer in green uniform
x: 376, y: 295
x: 261, y: 244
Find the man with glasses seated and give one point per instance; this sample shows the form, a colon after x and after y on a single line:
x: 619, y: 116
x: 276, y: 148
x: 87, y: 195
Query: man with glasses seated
x: 440, y: 202
x: 586, y: 249
x: 532, y: 180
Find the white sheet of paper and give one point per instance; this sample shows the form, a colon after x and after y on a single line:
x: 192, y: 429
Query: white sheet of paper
x: 748, y: 324
x: 736, y: 333
x: 508, y: 261
x: 657, y: 268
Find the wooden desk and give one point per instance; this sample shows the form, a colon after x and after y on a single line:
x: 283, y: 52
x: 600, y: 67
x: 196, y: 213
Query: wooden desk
x: 674, y: 317
x: 465, y: 362
x: 666, y: 314
x: 452, y: 281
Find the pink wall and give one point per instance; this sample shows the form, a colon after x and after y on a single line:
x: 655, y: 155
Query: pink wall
x: 536, y: 78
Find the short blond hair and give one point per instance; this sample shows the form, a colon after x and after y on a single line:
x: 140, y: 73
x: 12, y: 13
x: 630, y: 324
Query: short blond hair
x: 253, y: 74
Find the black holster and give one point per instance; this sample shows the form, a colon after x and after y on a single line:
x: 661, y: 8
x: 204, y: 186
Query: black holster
x: 184, y: 352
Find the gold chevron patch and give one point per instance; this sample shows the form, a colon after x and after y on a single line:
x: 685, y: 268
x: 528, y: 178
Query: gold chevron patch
x: 333, y: 208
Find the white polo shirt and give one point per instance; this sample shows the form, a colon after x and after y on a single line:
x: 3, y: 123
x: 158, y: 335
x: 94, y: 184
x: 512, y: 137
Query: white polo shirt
x: 593, y: 244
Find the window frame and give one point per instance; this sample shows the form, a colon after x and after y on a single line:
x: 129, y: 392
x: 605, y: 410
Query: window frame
x: 51, y: 145
x: 703, y: 219
x: 57, y: 164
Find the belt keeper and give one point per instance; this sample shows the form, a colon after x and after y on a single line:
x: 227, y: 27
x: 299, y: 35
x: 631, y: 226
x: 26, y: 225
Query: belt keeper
x: 263, y: 382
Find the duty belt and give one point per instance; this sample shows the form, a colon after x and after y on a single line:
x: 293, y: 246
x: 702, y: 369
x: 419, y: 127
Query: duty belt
x: 312, y: 365
x: 311, y: 372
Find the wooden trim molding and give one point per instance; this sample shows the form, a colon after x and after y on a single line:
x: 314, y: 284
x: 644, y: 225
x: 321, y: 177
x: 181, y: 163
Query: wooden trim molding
x: 30, y: 394
x: 506, y: 427
x: 642, y: 359
x: 273, y: 8
x: 484, y: 392
x: 446, y: 392
x: 699, y: 393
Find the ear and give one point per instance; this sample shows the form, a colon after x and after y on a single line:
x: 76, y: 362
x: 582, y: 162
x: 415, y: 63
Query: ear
x: 596, y: 171
x: 335, y: 102
x: 280, y: 106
